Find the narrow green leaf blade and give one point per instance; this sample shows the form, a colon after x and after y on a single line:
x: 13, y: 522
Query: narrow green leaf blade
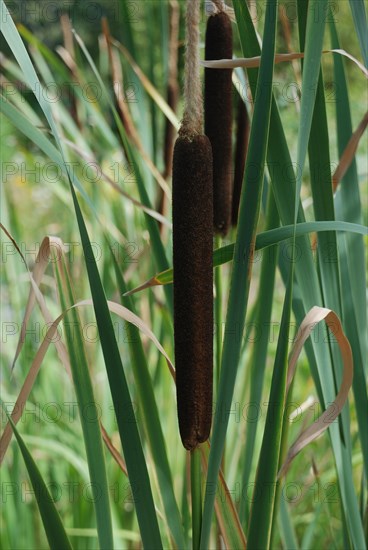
x: 260, y: 524
x: 317, y: 14
x: 133, y: 452
x: 86, y: 401
x: 54, y: 528
x: 360, y: 22
x: 268, y: 238
x: 151, y: 419
x: 260, y: 349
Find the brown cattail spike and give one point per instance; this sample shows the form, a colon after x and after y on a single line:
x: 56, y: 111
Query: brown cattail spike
x: 242, y: 137
x: 218, y: 116
x: 193, y: 286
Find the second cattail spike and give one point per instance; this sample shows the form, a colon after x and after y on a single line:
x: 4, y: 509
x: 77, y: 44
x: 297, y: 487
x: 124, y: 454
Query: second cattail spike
x: 218, y: 117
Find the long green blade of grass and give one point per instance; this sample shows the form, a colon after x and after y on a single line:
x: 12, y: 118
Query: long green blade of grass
x: 259, y: 353
x: 264, y: 240
x: 151, y: 419
x: 196, y: 496
x: 288, y: 532
x: 313, y: 42
x: 228, y: 519
x: 260, y: 523
x: 130, y: 14
x: 133, y: 452
x: 360, y: 22
x: 55, y: 532
x: 85, y: 398
x: 321, y: 183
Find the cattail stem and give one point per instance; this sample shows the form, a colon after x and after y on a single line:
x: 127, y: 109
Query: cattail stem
x: 242, y: 138
x: 219, y: 5
x: 172, y: 100
x: 196, y: 493
x: 218, y: 117
x: 218, y: 317
x: 193, y: 113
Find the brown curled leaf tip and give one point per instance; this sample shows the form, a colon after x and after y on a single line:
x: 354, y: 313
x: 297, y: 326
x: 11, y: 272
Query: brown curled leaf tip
x: 218, y: 117
x: 193, y: 286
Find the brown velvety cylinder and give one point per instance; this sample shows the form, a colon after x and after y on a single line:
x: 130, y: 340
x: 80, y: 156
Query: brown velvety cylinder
x: 193, y: 286
x: 218, y: 117
x: 242, y: 137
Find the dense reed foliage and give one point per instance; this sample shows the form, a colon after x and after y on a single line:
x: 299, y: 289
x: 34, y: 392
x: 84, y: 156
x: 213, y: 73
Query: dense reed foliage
x: 97, y: 208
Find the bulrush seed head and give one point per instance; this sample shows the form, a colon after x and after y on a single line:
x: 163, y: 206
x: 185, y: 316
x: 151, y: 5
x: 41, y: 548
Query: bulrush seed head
x: 218, y: 117
x: 193, y: 286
